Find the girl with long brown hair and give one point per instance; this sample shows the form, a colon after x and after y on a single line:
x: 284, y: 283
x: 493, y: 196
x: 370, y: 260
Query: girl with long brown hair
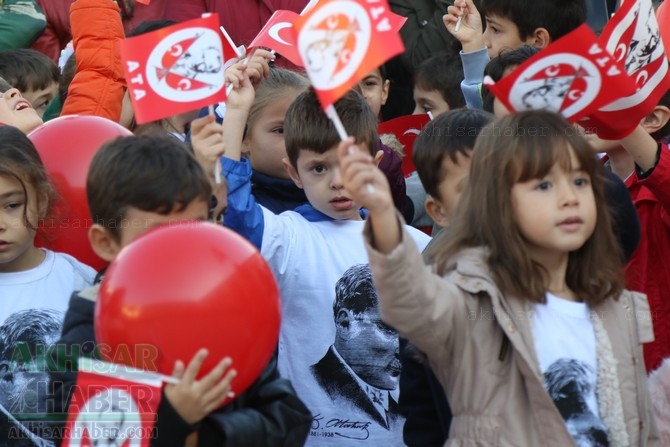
x: 522, y: 314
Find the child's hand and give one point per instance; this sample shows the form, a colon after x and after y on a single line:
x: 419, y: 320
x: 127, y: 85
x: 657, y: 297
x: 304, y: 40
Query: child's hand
x: 194, y: 399
x: 470, y: 31
x: 364, y: 182
x: 242, y: 95
x: 258, y: 65
x: 207, y: 142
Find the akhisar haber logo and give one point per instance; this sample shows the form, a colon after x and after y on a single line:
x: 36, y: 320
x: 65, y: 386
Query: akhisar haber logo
x: 333, y: 43
x: 563, y: 82
x: 187, y: 65
x: 109, y: 418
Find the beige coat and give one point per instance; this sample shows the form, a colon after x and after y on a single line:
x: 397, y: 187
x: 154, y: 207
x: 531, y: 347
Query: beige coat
x: 480, y: 345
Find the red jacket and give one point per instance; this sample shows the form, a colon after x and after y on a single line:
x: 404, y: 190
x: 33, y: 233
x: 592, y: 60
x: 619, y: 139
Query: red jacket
x: 242, y: 19
x: 649, y: 269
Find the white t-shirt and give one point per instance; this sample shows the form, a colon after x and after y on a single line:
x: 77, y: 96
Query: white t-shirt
x: 565, y: 344
x: 308, y: 259
x: 32, y: 307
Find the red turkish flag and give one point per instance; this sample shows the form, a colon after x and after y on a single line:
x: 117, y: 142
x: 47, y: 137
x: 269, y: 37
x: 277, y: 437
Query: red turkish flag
x: 633, y: 37
x: 112, y: 404
x: 176, y: 69
x: 341, y: 41
x: 278, y: 35
x: 573, y: 76
x: 406, y: 129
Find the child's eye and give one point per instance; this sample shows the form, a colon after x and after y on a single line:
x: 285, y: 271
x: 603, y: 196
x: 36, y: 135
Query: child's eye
x: 319, y: 169
x: 279, y: 130
x: 543, y: 186
x: 14, y: 205
x: 582, y: 181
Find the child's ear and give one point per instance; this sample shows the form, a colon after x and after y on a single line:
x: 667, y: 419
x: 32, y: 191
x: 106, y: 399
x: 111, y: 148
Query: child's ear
x: 436, y: 212
x: 102, y: 242
x: 540, y: 38
x: 385, y: 91
x: 378, y: 157
x: 656, y: 119
x: 291, y: 172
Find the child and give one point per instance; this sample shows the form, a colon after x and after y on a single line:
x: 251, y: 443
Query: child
x: 442, y: 154
x: 375, y: 89
x: 309, y: 250
x: 15, y: 110
x: 509, y: 24
x: 436, y: 91
x: 525, y: 321
x: 264, y: 140
x: 35, y: 283
x: 645, y: 171
x: 33, y: 73
x: 133, y: 184
x: 436, y: 86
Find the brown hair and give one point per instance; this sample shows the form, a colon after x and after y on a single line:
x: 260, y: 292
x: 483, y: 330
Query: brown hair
x: 517, y: 148
x: 20, y: 160
x: 276, y: 84
x: 306, y: 126
x: 150, y: 173
x: 452, y: 133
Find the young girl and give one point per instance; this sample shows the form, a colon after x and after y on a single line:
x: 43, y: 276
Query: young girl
x: 264, y: 140
x: 525, y: 323
x: 35, y: 283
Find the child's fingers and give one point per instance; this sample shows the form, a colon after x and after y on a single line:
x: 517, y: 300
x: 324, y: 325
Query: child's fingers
x: 194, y: 366
x: 178, y: 370
x: 215, y: 374
x: 199, y: 123
x: 221, y: 390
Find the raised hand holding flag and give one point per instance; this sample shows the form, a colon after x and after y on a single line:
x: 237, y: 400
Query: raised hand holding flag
x: 176, y: 69
x: 341, y: 41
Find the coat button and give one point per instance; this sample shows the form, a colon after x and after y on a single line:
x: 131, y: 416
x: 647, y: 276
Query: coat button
x: 634, y: 360
x: 511, y: 328
x: 424, y: 22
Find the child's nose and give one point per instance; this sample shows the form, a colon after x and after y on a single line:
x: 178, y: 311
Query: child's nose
x: 336, y: 180
x: 12, y: 93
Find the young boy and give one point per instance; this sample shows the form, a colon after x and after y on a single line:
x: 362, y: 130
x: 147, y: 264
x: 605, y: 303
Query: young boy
x: 134, y: 184
x: 442, y: 159
x: 642, y: 161
x: 309, y: 251
x: 509, y: 24
x: 436, y: 82
x: 33, y: 73
x: 375, y: 89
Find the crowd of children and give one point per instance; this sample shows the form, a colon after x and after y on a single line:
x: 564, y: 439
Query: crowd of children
x: 534, y: 314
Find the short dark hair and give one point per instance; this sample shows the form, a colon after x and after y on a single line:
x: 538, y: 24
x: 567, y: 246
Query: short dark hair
x: 497, y: 66
x: 558, y: 17
x: 447, y: 135
x: 152, y: 173
x: 444, y: 73
x: 355, y: 291
x: 27, y: 69
x: 306, y: 126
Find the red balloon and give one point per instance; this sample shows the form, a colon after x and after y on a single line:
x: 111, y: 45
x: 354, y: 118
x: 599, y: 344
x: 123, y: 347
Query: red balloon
x: 67, y: 145
x: 186, y: 286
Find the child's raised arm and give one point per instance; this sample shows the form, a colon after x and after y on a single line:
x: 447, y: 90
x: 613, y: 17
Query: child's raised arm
x: 238, y: 104
x: 369, y: 187
x: 642, y: 147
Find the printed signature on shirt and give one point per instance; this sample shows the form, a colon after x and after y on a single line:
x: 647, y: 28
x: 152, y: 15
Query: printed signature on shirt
x: 343, y: 428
